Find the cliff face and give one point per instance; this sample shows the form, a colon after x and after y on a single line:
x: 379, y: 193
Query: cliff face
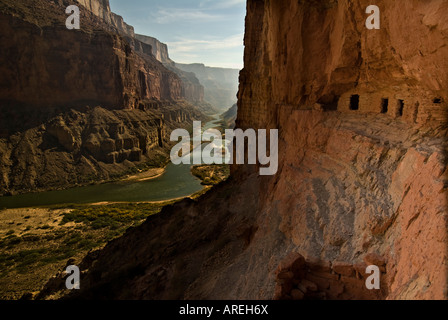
x: 356, y: 178
x: 48, y: 66
x: 101, y: 8
x: 159, y: 49
x: 220, y: 84
x: 362, y: 170
x: 192, y: 89
x: 61, y: 91
x: 329, y: 60
x: 353, y: 182
x: 230, y: 116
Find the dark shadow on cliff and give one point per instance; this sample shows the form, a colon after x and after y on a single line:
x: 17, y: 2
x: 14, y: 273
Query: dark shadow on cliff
x: 176, y: 253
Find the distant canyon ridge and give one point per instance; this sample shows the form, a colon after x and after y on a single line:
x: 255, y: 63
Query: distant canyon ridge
x: 220, y: 84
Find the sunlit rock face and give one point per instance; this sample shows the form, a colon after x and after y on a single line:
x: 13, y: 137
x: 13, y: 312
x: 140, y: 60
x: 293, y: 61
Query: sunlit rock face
x: 362, y: 117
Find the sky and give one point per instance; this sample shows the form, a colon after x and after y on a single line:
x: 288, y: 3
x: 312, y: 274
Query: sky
x: 196, y: 31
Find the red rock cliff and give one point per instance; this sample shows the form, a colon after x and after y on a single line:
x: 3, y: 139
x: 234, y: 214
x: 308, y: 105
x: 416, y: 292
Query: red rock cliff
x: 362, y: 175
x: 356, y: 177
x: 42, y: 55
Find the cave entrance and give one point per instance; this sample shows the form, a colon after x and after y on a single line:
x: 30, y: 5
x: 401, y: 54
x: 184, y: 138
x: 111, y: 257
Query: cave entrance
x: 354, y: 102
x: 384, y: 105
x: 437, y: 101
x: 329, y: 102
x: 400, y: 108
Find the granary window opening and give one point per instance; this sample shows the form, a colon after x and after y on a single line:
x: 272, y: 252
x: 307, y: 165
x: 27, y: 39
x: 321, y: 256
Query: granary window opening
x: 354, y: 102
x: 384, y: 105
x: 400, y: 108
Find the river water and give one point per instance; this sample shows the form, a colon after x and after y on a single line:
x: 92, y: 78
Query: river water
x: 176, y: 182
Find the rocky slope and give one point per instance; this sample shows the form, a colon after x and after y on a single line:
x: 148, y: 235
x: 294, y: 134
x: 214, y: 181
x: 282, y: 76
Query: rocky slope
x: 79, y: 105
x: 362, y: 173
x: 80, y: 147
x: 230, y: 116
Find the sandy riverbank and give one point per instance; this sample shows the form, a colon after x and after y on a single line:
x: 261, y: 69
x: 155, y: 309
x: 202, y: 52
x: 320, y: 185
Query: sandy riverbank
x: 146, y: 175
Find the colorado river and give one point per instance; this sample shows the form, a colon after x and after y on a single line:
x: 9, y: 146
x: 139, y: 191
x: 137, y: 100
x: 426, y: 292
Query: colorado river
x: 176, y: 182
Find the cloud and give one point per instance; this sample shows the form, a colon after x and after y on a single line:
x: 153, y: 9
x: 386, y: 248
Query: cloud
x: 195, y: 45
x: 205, y: 11
x: 199, y: 30
x: 173, y: 15
x: 212, y: 4
x: 226, y: 52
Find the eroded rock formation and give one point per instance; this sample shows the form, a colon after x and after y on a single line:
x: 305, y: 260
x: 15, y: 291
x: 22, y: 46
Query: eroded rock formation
x: 362, y: 175
x: 80, y: 105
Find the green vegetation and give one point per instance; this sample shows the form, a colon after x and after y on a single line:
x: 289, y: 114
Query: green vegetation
x: 111, y: 216
x: 211, y: 174
x: 44, y: 247
x: 22, y: 260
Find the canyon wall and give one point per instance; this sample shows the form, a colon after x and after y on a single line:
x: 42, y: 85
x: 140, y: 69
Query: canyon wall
x: 362, y: 176
x: 159, y: 49
x: 220, y: 84
x: 230, y: 116
x: 101, y: 8
x: 39, y: 59
x: 192, y: 89
x: 80, y: 106
x: 356, y: 177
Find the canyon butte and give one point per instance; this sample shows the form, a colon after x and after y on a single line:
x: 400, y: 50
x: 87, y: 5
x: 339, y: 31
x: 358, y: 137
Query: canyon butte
x: 362, y: 179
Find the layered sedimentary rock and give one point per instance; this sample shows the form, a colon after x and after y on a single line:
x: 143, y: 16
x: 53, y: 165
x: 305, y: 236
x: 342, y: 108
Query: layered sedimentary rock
x: 79, y: 147
x: 217, y: 86
x: 63, y: 94
x: 220, y: 84
x: 101, y: 8
x: 192, y: 89
x: 362, y: 115
x: 159, y: 49
x: 49, y: 65
x: 362, y: 172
